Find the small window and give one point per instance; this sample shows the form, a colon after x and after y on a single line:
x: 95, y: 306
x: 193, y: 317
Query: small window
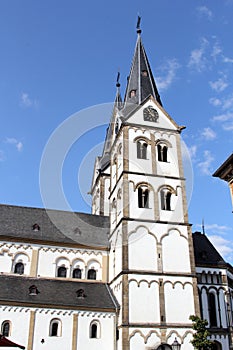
x: 91, y: 275
x: 95, y: 330
x: 77, y: 273
x: 80, y: 294
x: 19, y: 268
x: 61, y: 271
x: 162, y: 153
x: 132, y: 93
x: 5, y: 329
x: 35, y: 227
x: 141, y: 150
x: 143, y: 197
x: 33, y: 290
x: 55, y: 328
x: 165, y: 199
x: 144, y: 73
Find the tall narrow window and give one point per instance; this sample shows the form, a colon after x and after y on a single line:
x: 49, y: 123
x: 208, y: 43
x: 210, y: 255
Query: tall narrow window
x: 212, y: 310
x: 55, y: 328
x: 91, y: 274
x: 165, y: 199
x: 5, y: 329
x: 61, y: 271
x: 94, y: 330
x: 77, y: 273
x: 141, y: 150
x: 143, y: 197
x: 19, y: 268
x: 162, y: 153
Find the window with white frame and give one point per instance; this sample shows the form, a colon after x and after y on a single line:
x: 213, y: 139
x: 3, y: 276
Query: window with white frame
x: 5, y: 328
x: 94, y: 331
x: 143, y: 197
x: 55, y: 328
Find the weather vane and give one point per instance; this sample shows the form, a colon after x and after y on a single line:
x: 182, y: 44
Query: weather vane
x: 138, y: 25
x: 118, y: 80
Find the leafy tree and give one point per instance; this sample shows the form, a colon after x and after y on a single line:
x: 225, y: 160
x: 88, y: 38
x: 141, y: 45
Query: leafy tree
x: 200, y: 338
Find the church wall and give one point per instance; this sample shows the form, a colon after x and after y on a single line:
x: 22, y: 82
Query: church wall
x: 12, y: 253
x: 51, y: 258
x: 35, y: 333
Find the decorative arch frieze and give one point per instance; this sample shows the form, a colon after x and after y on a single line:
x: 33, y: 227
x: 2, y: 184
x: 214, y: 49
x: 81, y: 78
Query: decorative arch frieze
x: 168, y: 232
x: 146, y: 228
x: 149, y: 283
x: 173, y: 284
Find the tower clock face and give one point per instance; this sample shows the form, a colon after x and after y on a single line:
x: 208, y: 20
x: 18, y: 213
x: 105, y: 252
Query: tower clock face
x: 150, y: 114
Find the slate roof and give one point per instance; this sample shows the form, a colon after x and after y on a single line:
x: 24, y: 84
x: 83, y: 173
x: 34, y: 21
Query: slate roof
x: 205, y: 253
x: 56, y: 226
x: 225, y: 171
x: 15, y: 290
x: 143, y: 84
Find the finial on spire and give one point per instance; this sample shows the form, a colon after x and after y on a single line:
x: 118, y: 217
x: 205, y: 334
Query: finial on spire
x: 138, y: 25
x: 118, y: 80
x: 203, y: 227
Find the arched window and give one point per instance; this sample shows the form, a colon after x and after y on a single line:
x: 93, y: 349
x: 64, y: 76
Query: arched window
x: 77, y: 273
x: 212, y: 310
x: 5, y: 329
x: 94, y: 330
x: 91, y: 274
x: 165, y: 196
x: 19, y: 268
x: 162, y: 152
x: 141, y: 149
x: 55, y: 328
x: 143, y: 197
x: 61, y: 271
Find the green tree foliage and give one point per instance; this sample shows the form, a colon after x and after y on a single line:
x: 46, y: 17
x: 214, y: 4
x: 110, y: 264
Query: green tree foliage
x: 200, y: 338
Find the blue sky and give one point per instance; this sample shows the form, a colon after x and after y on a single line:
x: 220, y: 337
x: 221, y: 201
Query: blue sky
x: 60, y: 57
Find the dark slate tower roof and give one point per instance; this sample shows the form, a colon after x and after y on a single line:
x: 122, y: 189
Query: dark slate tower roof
x: 205, y: 253
x: 140, y: 80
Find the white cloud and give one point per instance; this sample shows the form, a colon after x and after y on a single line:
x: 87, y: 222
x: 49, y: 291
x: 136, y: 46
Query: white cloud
x: 223, y: 117
x: 26, y: 101
x: 197, y: 59
x: 216, y: 102
x: 228, y: 103
x: 227, y: 59
x: 204, y: 11
x: 216, y: 51
x: 228, y: 126
x: 205, y: 165
x: 223, y: 246
x: 170, y: 68
x: 12, y: 141
x: 192, y: 151
x: 209, y: 134
x: 219, y: 85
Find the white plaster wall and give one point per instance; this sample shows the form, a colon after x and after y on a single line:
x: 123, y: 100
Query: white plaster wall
x: 48, y: 258
x: 163, y: 121
x: 19, y: 318
x: 107, y: 332
x: 42, y: 324
x: 10, y: 254
x: 143, y: 301
x: 222, y: 308
x: 175, y: 252
x: 106, y: 195
x: 179, y: 298
x: 142, y: 250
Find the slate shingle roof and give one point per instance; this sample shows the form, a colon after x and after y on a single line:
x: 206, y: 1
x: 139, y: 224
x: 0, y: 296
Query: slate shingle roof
x: 57, y: 293
x: 61, y: 227
x: 205, y: 253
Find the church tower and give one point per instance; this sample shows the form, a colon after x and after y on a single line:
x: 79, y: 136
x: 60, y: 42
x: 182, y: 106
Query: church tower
x: 139, y: 182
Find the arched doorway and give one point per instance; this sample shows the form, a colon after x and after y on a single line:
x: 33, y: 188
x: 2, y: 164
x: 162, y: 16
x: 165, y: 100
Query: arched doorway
x: 164, y: 347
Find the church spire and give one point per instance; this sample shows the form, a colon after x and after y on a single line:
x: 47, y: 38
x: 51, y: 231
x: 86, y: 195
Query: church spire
x: 141, y: 82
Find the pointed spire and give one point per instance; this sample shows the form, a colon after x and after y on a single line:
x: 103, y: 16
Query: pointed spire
x: 141, y: 82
